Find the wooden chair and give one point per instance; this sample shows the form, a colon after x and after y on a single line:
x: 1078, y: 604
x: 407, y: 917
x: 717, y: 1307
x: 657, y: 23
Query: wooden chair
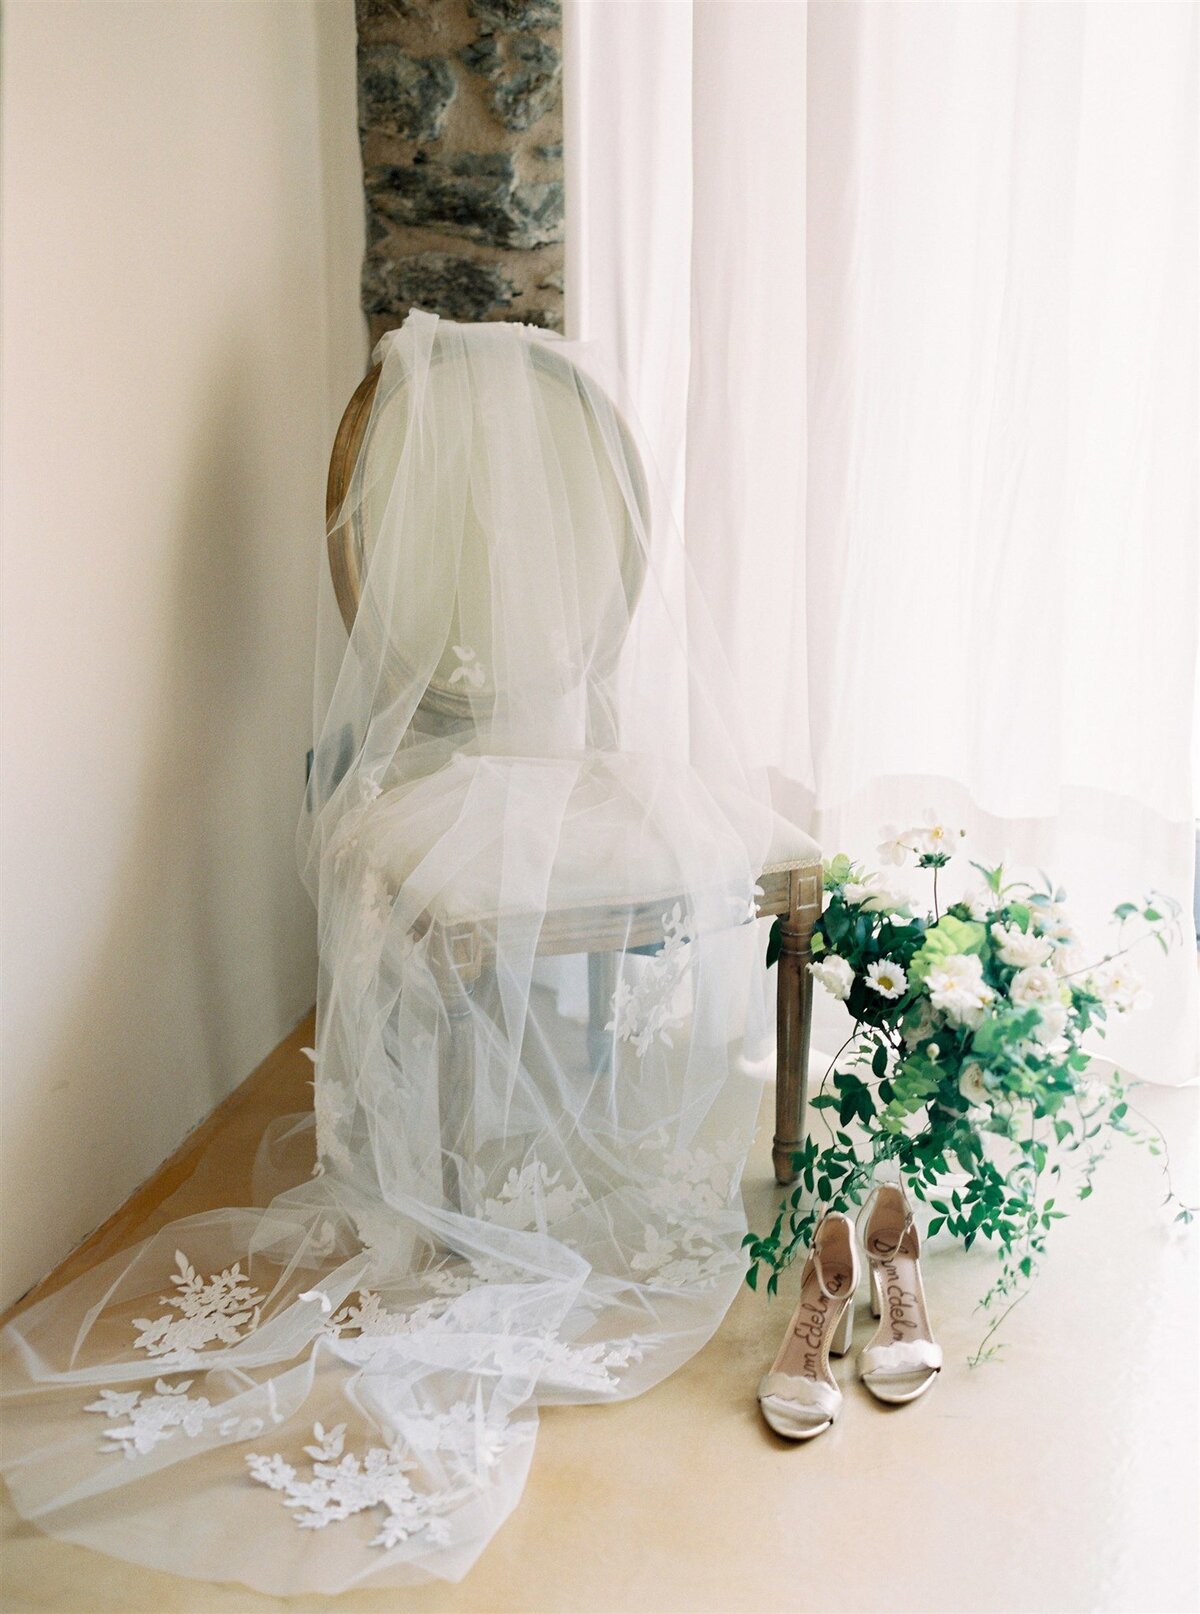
x: 463, y: 940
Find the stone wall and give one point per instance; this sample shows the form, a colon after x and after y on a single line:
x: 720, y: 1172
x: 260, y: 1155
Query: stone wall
x: 460, y: 117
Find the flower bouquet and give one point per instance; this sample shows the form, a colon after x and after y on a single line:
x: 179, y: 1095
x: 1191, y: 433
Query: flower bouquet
x: 964, y: 1071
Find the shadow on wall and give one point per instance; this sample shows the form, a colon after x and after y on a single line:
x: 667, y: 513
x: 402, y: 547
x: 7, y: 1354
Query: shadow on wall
x: 209, y: 952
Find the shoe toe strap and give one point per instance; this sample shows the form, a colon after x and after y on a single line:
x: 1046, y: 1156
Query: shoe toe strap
x: 902, y: 1356
x: 809, y: 1394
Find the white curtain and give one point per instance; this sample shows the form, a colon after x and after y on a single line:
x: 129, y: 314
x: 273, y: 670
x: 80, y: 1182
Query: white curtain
x: 907, y: 295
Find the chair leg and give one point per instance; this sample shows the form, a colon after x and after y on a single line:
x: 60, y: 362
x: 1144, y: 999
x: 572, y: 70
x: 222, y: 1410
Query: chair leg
x: 456, y: 1091
x: 602, y: 983
x: 794, y: 1022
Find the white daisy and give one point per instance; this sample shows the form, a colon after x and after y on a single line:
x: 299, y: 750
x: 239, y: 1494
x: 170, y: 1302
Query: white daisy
x: 886, y: 978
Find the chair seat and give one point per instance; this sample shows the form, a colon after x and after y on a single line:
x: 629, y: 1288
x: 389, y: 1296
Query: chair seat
x: 463, y: 839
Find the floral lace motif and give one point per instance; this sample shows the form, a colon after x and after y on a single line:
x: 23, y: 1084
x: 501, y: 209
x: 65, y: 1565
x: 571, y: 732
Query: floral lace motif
x: 470, y: 670
x: 151, y: 1419
x: 531, y: 1197
x: 647, y: 1011
x: 333, y: 1109
x: 691, y: 1261
x: 688, y: 1186
x: 368, y: 1317
x: 569, y: 1367
x: 693, y: 1183
x: 343, y: 1485
x: 558, y: 1365
x: 371, y: 1319
x: 224, y: 1307
x: 345, y: 838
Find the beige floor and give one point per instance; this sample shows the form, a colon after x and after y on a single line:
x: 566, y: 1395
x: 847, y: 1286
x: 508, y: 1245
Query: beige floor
x: 1064, y: 1477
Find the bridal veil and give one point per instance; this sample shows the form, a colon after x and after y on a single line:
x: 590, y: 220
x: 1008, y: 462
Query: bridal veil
x: 533, y: 844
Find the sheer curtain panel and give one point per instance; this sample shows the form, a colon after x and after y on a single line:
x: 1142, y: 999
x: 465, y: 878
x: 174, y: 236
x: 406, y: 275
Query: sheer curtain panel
x: 907, y: 294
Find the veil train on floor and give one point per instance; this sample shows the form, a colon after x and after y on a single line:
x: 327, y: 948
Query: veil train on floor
x: 533, y: 841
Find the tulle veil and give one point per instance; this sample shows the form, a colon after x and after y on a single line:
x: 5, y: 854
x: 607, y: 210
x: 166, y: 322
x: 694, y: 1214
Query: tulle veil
x: 532, y: 839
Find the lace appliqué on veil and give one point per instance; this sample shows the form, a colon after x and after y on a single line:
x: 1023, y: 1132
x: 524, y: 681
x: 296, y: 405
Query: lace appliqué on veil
x: 342, y: 1485
x: 531, y: 1195
x: 169, y: 1411
x: 333, y: 1110
x: 470, y: 669
x: 570, y: 1367
x: 687, y: 1187
x: 647, y: 1011
x: 558, y: 1365
x: 223, y: 1307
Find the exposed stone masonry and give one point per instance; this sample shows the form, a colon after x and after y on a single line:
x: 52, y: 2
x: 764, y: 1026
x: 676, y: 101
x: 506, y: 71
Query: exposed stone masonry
x: 460, y: 117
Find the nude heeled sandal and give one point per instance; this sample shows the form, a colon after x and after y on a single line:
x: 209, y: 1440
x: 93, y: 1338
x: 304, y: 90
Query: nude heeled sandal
x: 799, y: 1396
x: 902, y: 1359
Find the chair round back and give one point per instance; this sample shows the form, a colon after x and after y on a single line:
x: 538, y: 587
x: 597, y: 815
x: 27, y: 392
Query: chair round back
x: 369, y: 445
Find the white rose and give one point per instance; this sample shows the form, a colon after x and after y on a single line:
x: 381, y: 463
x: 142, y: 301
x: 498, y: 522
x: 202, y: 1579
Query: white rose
x: 920, y: 1022
x: 1020, y: 948
x: 957, y: 988
x: 834, y: 974
x: 886, y: 978
x: 1051, y: 920
x: 873, y: 895
x: 972, y: 1086
x: 1034, y: 985
x: 1067, y: 960
x: 1052, y: 1022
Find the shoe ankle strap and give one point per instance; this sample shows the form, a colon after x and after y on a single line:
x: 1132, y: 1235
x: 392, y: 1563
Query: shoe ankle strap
x: 864, y: 1218
x: 817, y: 1265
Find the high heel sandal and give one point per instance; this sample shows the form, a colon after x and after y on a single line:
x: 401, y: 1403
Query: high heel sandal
x: 799, y: 1396
x: 902, y: 1359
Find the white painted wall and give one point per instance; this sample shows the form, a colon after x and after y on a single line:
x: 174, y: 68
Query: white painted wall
x: 182, y: 231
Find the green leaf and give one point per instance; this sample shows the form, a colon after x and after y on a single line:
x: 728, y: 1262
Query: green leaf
x: 948, y: 937
x: 993, y: 877
x: 838, y: 870
x: 775, y: 942
x: 880, y: 1060
x: 752, y: 1277
x: 935, y: 1226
